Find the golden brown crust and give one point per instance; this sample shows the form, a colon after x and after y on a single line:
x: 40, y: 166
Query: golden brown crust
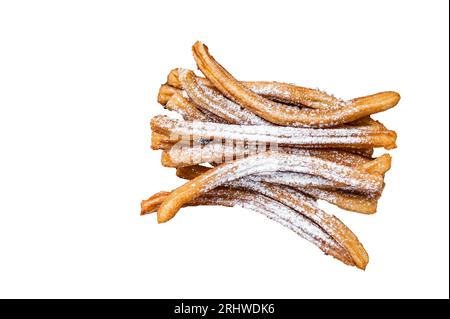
x: 276, y: 91
x: 343, y: 198
x: 282, y: 114
x: 267, y: 162
x: 357, y: 138
x: 347, y: 247
x: 187, y: 155
x: 208, y: 99
x: 380, y: 166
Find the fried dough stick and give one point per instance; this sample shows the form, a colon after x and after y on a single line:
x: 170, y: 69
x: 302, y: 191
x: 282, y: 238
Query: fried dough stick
x: 297, y: 212
x: 187, y: 155
x: 344, y: 198
x: 276, y: 91
x: 262, y: 163
x: 283, y: 114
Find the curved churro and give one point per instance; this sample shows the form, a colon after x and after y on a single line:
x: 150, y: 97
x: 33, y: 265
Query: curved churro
x: 306, y: 137
x: 342, y: 198
x: 283, y: 114
x: 212, y: 101
x: 276, y: 91
x: 348, y: 198
x: 380, y: 166
x: 308, y: 208
x: 317, y: 187
x: 355, y: 201
x: 348, y: 201
x: 303, y: 227
x: 307, y: 216
x: 167, y: 91
x: 267, y: 162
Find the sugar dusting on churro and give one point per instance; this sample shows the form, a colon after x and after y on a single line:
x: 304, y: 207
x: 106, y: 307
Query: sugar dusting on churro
x: 274, y: 148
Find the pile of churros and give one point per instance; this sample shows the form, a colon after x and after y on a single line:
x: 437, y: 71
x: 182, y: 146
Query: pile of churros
x: 273, y: 148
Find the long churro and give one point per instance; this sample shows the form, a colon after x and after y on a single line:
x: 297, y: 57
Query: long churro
x: 187, y: 155
x: 317, y: 187
x: 280, y: 135
x: 291, y: 209
x: 276, y: 91
x: 283, y: 114
x: 267, y: 162
x: 378, y: 166
x: 169, y: 143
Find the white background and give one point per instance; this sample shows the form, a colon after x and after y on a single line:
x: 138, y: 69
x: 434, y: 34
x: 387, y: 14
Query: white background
x: 78, y: 86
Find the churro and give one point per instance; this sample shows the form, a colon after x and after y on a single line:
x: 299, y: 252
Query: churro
x: 380, y: 166
x: 183, y: 141
x: 267, y: 162
x: 186, y: 155
x: 291, y: 209
x: 317, y: 188
x: 347, y: 198
x: 283, y: 114
x: 276, y: 91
